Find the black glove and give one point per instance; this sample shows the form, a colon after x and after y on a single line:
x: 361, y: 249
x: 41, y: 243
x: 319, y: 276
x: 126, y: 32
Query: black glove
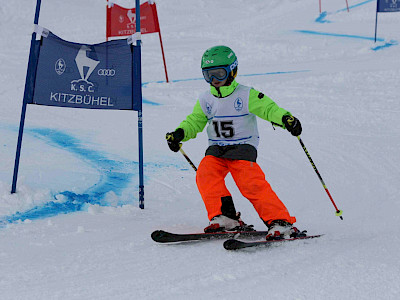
x: 292, y: 124
x: 174, y: 139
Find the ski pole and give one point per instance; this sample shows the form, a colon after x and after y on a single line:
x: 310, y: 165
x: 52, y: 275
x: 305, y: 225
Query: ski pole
x: 169, y: 137
x: 338, y: 211
x: 187, y: 157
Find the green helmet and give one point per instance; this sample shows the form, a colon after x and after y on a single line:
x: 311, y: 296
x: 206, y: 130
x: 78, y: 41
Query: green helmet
x: 218, y: 56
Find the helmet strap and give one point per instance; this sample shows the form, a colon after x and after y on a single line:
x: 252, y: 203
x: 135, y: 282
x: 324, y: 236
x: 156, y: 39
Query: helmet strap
x: 231, y: 77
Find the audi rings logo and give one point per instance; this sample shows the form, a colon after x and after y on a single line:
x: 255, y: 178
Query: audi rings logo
x: 106, y: 72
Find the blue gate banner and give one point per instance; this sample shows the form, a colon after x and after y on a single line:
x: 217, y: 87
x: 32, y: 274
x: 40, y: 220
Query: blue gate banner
x: 76, y: 75
x: 388, y: 5
x: 99, y: 76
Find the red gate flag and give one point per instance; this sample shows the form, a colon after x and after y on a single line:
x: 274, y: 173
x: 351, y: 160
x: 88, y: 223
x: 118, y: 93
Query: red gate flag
x: 121, y: 21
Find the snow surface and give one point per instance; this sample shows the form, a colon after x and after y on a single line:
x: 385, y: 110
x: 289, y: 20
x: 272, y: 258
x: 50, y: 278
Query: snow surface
x: 74, y: 230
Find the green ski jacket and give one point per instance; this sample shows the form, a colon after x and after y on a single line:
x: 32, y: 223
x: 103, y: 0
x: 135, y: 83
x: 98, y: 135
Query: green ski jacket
x: 259, y: 105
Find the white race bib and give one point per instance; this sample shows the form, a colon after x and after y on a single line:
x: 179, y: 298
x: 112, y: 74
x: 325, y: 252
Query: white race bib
x: 229, y: 119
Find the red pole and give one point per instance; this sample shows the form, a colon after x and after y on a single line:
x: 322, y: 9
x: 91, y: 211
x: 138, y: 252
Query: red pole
x: 162, y: 51
x: 347, y: 4
x: 154, y: 9
x: 320, y: 7
x: 108, y: 21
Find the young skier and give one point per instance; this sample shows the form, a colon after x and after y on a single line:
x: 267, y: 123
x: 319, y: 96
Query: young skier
x: 230, y: 110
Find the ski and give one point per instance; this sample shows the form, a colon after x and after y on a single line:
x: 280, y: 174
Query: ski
x: 161, y: 236
x: 233, y: 244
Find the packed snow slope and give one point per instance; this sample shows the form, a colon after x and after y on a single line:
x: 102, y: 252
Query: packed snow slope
x: 74, y: 230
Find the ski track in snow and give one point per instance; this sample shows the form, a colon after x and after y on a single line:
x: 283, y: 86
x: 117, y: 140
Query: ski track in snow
x: 115, y: 175
x: 322, y: 19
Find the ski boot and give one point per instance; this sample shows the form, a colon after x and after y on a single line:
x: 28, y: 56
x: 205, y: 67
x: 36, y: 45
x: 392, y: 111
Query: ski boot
x: 223, y: 223
x: 281, y: 229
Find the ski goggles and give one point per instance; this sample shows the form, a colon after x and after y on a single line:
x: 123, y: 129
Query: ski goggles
x: 220, y: 73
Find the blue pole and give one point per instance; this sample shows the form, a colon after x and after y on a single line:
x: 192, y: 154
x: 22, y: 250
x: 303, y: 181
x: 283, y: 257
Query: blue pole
x: 138, y: 89
x: 376, y: 18
x: 32, y: 60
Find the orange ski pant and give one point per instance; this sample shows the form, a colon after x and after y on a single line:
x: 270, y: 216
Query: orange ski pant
x: 250, y: 180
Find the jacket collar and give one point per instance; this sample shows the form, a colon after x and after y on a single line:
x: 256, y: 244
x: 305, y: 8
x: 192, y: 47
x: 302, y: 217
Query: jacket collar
x: 224, y: 91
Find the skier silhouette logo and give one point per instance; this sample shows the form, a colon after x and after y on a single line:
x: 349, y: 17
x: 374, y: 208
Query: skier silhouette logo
x: 131, y: 15
x: 84, y: 63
